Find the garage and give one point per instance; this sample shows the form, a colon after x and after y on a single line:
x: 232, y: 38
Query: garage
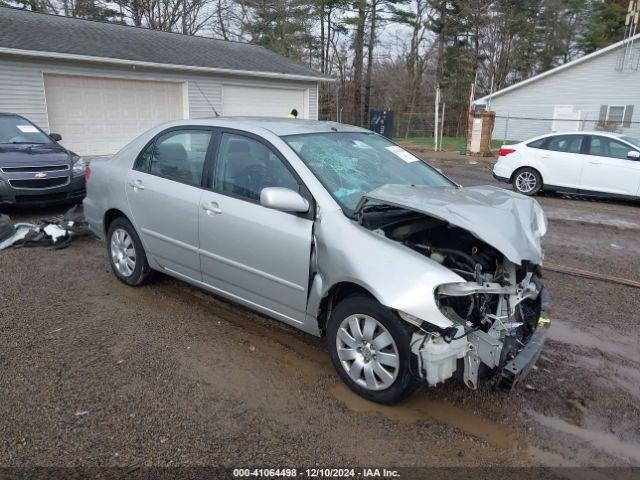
x: 101, y: 84
x: 241, y: 100
x: 99, y: 116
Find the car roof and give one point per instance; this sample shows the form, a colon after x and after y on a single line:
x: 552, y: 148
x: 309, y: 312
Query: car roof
x: 276, y: 125
x: 584, y: 132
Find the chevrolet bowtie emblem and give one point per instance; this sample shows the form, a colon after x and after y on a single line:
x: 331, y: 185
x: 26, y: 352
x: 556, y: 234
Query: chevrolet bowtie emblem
x: 40, y: 175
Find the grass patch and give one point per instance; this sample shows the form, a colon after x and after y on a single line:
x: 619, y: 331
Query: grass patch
x: 449, y: 144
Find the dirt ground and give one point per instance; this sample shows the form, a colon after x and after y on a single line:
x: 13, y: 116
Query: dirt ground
x: 94, y: 373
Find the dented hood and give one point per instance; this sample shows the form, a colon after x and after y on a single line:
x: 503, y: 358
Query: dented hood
x: 512, y: 223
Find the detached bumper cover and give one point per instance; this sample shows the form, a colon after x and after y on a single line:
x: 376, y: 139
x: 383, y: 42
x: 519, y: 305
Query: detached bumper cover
x: 516, y: 370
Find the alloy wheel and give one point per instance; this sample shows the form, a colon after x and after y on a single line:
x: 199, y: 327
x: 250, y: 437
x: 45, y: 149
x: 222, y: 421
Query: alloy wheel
x: 123, y: 252
x: 526, y: 182
x: 367, y: 352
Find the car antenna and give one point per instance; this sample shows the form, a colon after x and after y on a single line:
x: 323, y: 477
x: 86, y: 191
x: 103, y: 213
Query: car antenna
x: 207, y: 99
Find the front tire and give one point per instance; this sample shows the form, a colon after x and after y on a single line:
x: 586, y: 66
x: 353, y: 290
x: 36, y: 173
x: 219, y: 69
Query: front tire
x: 126, y: 254
x: 527, y: 181
x: 369, y: 346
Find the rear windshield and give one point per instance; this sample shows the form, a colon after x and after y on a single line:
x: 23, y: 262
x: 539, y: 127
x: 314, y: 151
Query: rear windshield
x: 15, y: 130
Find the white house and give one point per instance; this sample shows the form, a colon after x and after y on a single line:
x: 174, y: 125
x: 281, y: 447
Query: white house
x: 101, y: 84
x: 597, y: 91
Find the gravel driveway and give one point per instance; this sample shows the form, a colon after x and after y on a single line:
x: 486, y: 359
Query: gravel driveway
x: 94, y: 373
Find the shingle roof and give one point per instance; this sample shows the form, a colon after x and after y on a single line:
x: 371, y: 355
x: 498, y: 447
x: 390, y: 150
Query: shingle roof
x: 28, y: 31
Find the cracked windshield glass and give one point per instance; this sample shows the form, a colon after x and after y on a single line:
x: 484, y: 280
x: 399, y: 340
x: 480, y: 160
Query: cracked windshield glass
x: 353, y: 164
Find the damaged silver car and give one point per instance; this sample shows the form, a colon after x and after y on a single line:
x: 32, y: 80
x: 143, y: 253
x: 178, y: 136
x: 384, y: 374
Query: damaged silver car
x: 338, y: 232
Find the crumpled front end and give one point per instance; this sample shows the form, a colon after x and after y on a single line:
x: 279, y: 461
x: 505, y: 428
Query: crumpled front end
x: 496, y: 330
x: 490, y: 239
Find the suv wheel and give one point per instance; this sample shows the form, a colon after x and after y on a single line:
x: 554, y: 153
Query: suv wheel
x: 527, y: 181
x: 126, y: 255
x: 369, y: 347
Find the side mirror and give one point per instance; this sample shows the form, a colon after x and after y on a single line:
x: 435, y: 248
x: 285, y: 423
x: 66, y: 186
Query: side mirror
x: 56, y: 137
x: 283, y: 199
x: 633, y: 155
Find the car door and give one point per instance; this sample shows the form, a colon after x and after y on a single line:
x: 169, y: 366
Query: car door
x: 608, y: 168
x: 164, y: 189
x: 561, y: 160
x: 247, y: 251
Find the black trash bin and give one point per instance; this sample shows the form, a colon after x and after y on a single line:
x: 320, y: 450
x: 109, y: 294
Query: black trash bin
x: 382, y: 122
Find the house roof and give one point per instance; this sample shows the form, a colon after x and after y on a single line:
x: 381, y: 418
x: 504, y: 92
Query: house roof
x: 51, y: 36
x: 558, y: 69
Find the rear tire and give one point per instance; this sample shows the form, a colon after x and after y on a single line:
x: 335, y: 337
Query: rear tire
x: 527, y: 181
x: 375, y: 363
x: 126, y: 254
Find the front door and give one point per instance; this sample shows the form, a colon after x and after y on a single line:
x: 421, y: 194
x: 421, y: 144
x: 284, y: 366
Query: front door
x: 607, y: 168
x: 562, y: 160
x: 164, y: 190
x: 251, y: 253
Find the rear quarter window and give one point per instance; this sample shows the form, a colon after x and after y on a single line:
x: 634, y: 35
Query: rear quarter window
x: 537, y: 143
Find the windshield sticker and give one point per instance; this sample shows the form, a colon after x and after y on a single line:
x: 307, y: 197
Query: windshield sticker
x: 403, y: 154
x: 361, y: 144
x: 27, y: 128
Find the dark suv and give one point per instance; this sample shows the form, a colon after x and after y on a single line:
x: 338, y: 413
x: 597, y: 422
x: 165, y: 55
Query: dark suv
x: 34, y: 168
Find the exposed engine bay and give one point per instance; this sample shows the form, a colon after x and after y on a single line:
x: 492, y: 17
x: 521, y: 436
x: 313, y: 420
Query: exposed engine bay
x: 495, y: 311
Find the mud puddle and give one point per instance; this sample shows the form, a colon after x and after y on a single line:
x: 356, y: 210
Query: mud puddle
x: 599, y: 440
x: 420, y: 409
x: 608, y: 342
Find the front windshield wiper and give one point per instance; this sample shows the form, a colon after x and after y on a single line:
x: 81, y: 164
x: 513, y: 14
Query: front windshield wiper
x: 23, y: 143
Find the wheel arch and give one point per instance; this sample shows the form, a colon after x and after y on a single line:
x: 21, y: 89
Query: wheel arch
x: 110, y: 215
x: 336, y: 293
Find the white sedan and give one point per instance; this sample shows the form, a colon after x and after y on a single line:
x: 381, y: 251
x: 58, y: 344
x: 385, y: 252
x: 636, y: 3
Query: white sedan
x: 589, y: 163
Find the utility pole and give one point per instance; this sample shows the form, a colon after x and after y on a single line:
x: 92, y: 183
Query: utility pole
x: 435, y: 123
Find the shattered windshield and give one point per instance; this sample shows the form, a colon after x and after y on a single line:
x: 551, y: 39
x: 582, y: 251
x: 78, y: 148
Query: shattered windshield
x: 351, y: 164
x: 19, y: 130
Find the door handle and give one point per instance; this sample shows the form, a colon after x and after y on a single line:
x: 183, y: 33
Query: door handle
x: 594, y: 163
x: 212, y: 208
x: 545, y: 156
x: 137, y: 185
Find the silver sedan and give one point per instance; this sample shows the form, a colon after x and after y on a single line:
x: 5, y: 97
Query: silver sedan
x: 336, y: 231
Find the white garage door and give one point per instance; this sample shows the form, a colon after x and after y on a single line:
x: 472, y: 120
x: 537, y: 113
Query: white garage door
x: 98, y: 116
x: 240, y: 100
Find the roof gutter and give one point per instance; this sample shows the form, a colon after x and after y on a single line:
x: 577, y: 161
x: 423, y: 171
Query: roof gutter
x: 161, y: 66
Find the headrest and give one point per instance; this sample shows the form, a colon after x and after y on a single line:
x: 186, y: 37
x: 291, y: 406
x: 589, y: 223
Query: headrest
x: 172, y: 152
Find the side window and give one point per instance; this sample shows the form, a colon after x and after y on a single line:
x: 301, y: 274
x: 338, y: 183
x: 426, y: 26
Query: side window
x: 178, y: 155
x: 245, y: 166
x: 566, y: 143
x: 608, y: 147
x: 537, y: 143
x: 143, y: 162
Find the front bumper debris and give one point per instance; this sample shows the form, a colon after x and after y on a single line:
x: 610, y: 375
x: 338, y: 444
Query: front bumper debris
x: 517, y: 369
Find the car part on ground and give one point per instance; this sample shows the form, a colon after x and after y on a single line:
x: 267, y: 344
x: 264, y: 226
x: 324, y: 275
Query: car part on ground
x: 55, y: 232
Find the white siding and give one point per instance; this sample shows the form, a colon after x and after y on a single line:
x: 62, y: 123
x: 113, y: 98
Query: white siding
x: 585, y: 87
x: 22, y: 87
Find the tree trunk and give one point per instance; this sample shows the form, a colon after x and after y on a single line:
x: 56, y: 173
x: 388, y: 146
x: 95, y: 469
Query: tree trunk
x: 372, y: 42
x: 358, y: 60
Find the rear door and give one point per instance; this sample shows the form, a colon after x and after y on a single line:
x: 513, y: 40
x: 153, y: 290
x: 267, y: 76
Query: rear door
x: 608, y: 168
x: 562, y: 161
x: 164, y: 190
x: 247, y: 251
